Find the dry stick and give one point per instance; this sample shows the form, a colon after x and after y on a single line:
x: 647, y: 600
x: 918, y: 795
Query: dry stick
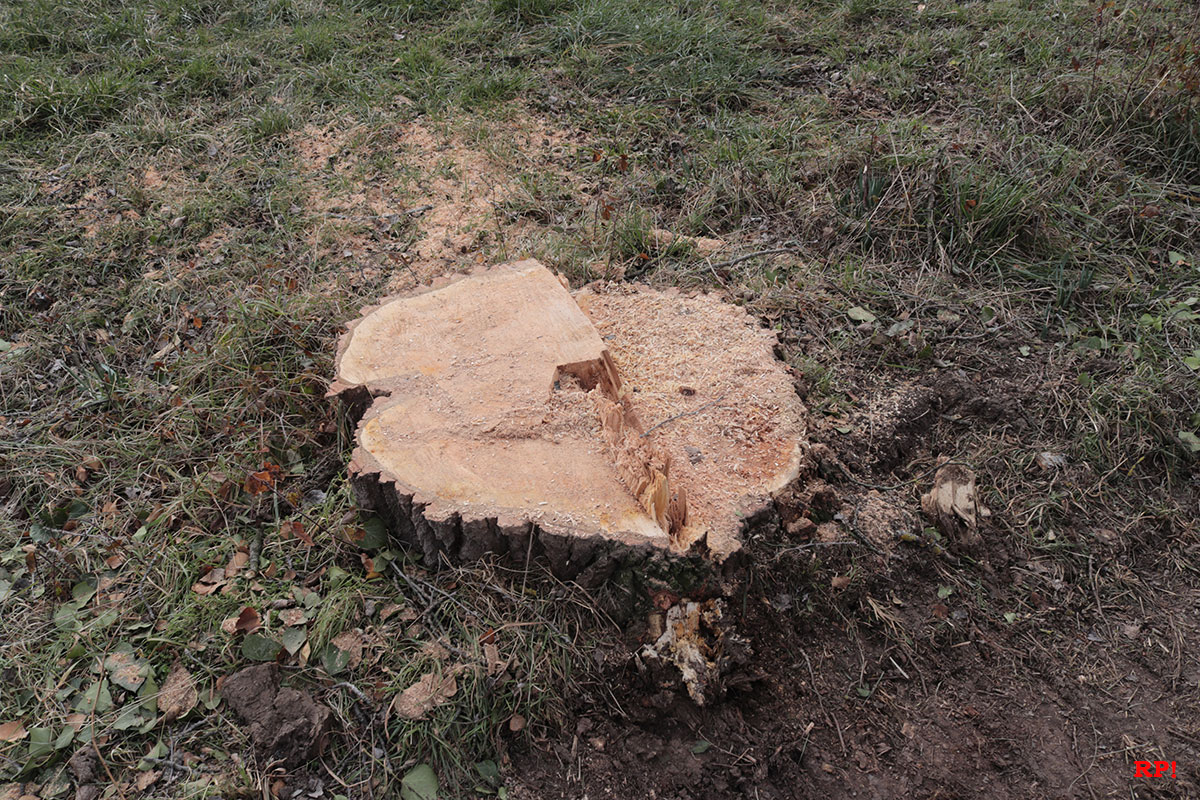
x: 772, y: 252
x: 658, y: 425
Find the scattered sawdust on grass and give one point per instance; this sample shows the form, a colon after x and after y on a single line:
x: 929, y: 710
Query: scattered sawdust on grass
x: 431, y: 214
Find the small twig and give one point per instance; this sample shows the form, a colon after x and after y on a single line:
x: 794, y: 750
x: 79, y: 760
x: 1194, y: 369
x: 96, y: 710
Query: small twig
x: 166, y: 762
x: 697, y: 410
x: 902, y: 484
x: 757, y: 253
x: 354, y: 690
x: 817, y: 544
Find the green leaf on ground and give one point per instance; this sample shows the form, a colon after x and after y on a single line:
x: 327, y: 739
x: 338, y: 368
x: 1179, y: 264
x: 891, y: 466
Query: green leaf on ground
x: 374, y: 534
x: 125, y: 669
x: 41, y: 742
x: 420, y: 783
x: 82, y: 592
x: 97, y: 699
x: 293, y: 639
x: 257, y: 647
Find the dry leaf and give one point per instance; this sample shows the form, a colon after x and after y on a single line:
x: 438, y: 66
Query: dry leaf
x: 495, y: 665
x: 209, y: 582
x: 125, y: 670
x: 206, y: 588
x: 391, y: 609
x: 248, y: 621
x: 292, y: 617
x: 434, y: 650
x: 13, y: 731
x: 426, y: 694
x: 350, y: 643
x: 840, y: 581
x: 236, y: 564
x: 179, y: 694
x: 146, y: 779
x: 516, y: 723
x: 263, y: 480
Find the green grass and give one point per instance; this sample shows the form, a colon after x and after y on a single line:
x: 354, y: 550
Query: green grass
x: 1030, y: 168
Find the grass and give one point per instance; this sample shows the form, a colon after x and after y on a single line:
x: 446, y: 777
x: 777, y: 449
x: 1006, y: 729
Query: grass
x: 1021, y: 174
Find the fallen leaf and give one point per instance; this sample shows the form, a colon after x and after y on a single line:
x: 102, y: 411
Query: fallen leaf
x: 293, y: 639
x: 516, y: 723
x: 236, y: 564
x: 259, y: 648
x: 495, y: 665
x: 248, y: 621
x: 179, y: 694
x: 434, y: 650
x: 1048, y: 461
x: 840, y: 582
x: 146, y: 779
x: 13, y: 731
x: 125, y: 670
x: 429, y: 692
x: 292, y: 617
x: 419, y: 783
x: 860, y: 314
x: 350, y: 643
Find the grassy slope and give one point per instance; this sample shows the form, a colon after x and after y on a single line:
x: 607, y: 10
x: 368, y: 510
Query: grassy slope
x: 1030, y: 169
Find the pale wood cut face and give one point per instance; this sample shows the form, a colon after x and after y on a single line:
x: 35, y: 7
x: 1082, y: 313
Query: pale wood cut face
x: 487, y: 405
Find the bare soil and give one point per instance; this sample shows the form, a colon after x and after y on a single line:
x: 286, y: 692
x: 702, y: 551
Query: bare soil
x: 906, y: 682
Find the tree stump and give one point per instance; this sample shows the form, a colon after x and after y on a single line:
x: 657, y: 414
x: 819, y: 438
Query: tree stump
x: 498, y: 413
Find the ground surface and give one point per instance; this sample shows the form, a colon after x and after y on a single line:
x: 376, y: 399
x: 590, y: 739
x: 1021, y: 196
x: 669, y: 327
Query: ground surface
x: 973, y: 226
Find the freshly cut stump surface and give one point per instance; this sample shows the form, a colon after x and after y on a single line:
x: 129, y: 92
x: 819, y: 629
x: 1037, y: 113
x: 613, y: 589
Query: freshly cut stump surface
x: 501, y: 413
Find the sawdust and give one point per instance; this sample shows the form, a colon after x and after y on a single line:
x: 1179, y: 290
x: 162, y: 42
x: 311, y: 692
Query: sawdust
x: 710, y: 393
x: 434, y: 214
